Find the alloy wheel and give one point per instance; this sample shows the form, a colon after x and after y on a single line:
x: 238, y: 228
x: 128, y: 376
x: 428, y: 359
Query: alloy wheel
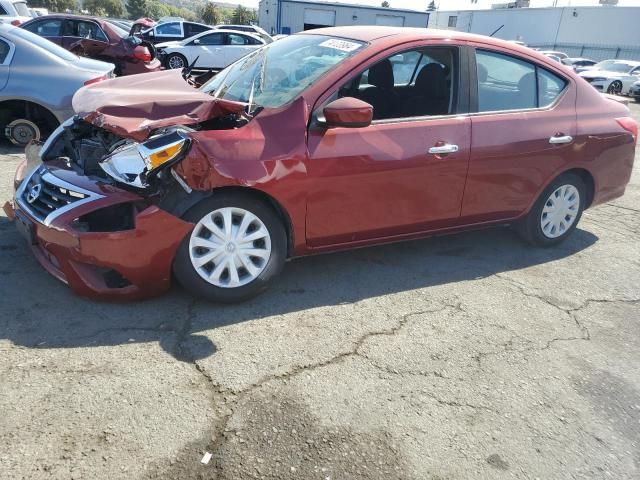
x: 175, y: 62
x: 560, y: 211
x: 229, y: 247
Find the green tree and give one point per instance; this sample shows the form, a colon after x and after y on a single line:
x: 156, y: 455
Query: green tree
x: 385, y: 4
x: 432, y: 6
x: 210, y: 14
x: 110, y: 8
x: 242, y: 15
x: 138, y: 8
x: 55, y: 5
x: 153, y: 9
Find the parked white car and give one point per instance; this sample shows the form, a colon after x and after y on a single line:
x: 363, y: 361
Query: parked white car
x: 214, y: 49
x: 14, y: 12
x: 613, y: 76
x: 555, y: 53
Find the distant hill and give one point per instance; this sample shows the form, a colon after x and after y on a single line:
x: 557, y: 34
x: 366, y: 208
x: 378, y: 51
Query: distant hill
x: 196, y: 5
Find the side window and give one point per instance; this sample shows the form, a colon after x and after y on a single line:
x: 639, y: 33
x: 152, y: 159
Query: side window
x: 4, y: 51
x: 235, y: 39
x: 253, y: 41
x: 453, y: 20
x: 2, y: 11
x: 404, y: 66
x: 549, y: 87
x: 169, y: 29
x: 90, y: 30
x: 504, y: 82
x: 416, y: 83
x: 508, y: 83
x: 50, y: 28
x: 212, y: 39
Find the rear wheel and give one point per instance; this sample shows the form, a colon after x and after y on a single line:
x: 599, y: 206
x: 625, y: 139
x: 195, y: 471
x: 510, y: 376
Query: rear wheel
x: 21, y: 131
x: 556, y: 213
x: 615, y: 88
x: 176, y: 61
x: 238, y: 244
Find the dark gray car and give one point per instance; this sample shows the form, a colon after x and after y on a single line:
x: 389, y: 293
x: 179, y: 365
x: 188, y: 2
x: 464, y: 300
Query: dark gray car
x: 37, y: 81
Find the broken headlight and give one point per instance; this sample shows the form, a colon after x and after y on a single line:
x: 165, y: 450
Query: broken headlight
x: 136, y: 163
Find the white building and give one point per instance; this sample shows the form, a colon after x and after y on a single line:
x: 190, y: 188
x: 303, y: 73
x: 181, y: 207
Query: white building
x: 291, y: 16
x: 593, y: 32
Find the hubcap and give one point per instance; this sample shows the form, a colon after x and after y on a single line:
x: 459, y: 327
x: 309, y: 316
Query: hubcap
x: 560, y: 211
x: 176, y: 62
x: 229, y: 247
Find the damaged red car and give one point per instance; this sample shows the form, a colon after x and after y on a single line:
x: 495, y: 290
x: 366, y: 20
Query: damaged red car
x: 99, y: 39
x: 326, y: 140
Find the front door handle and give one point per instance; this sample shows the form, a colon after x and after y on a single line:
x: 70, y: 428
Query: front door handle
x: 446, y: 148
x: 560, y: 139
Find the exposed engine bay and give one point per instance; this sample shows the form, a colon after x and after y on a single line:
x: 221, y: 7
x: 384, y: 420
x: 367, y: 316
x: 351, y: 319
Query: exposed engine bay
x: 95, y: 152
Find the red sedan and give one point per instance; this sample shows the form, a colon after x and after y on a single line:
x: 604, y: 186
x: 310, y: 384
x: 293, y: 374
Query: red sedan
x: 98, y: 39
x: 326, y: 140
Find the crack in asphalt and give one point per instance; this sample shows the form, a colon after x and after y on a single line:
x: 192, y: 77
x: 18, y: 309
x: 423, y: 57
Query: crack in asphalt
x: 224, y: 399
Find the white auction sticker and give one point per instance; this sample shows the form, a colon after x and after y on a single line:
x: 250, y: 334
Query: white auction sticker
x: 343, y: 45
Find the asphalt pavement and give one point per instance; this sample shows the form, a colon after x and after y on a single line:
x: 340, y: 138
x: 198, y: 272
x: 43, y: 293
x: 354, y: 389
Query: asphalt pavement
x: 464, y: 357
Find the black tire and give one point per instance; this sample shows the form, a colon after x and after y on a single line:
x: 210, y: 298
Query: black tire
x: 167, y: 62
x: 615, y: 88
x: 189, y: 278
x: 530, y: 228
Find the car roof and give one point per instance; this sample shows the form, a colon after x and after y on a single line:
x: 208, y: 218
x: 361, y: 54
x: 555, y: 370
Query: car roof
x: 374, y: 33
x: 69, y: 16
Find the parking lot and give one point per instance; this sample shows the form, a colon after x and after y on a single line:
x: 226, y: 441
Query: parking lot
x: 471, y: 356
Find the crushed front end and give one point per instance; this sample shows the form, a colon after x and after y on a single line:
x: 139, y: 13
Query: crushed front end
x: 90, y: 204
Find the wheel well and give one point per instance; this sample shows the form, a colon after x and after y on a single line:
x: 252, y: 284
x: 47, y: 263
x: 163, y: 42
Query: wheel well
x: 589, y: 183
x: 14, y: 109
x: 279, y: 209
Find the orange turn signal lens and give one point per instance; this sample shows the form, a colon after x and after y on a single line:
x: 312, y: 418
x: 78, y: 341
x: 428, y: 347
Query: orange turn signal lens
x: 162, y: 156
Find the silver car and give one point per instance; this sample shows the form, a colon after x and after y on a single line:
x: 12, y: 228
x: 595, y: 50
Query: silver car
x: 37, y: 81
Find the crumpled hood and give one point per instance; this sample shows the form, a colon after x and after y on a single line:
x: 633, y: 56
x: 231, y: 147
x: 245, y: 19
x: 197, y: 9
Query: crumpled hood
x: 135, y: 105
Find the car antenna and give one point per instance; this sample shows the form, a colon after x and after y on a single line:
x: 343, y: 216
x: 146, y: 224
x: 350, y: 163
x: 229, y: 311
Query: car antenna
x: 497, y: 30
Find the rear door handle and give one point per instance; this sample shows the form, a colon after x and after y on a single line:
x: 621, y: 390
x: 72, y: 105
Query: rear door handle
x: 559, y: 139
x: 446, y: 148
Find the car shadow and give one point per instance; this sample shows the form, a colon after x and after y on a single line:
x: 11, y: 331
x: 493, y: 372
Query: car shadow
x: 40, y: 312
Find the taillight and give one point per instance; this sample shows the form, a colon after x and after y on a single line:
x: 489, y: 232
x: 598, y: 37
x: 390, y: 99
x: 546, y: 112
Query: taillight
x: 630, y: 125
x: 96, y: 80
x: 16, y: 22
x: 142, y: 53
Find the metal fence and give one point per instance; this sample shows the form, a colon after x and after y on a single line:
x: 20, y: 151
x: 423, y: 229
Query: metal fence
x: 594, y: 52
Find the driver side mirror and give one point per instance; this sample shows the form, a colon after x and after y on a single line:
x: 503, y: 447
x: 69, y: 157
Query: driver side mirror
x: 196, y: 41
x: 348, y: 112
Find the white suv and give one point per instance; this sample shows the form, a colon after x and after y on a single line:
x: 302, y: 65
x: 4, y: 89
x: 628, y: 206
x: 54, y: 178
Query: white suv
x: 14, y: 12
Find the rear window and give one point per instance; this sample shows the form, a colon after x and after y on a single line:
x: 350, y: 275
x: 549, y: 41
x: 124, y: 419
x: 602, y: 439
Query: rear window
x: 44, y: 44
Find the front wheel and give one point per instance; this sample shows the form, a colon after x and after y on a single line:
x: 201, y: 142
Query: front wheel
x: 238, y: 244
x: 556, y: 213
x: 176, y: 61
x: 615, y: 88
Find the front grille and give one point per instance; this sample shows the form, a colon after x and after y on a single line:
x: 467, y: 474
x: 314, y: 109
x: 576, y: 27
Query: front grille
x: 46, y: 196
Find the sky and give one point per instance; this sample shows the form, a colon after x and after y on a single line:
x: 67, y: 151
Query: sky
x: 460, y: 4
